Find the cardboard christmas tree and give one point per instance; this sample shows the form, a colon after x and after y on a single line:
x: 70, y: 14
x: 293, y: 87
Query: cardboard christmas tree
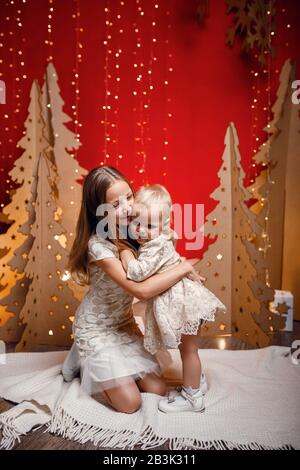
x: 270, y: 186
x: 17, y: 241
x: 226, y: 264
x: 63, y: 143
x: 49, y: 302
x: 46, y: 133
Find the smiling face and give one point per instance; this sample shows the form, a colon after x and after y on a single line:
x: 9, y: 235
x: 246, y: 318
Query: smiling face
x: 147, y: 223
x: 120, y: 196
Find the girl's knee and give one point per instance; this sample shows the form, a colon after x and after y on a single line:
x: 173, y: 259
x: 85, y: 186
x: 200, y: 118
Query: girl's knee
x: 129, y: 405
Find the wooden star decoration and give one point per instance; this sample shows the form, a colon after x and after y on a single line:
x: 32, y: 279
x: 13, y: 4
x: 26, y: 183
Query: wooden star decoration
x: 282, y: 308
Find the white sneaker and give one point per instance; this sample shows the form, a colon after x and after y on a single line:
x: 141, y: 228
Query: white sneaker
x: 185, y: 401
x: 176, y: 392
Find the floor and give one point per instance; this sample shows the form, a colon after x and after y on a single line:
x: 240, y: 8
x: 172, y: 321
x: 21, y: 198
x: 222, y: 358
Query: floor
x: 38, y: 440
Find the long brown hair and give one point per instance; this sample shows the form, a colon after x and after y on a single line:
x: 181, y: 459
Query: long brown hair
x: 95, y: 186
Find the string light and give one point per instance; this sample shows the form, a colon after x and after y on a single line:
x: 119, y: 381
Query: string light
x: 138, y: 109
x: 12, y: 62
x: 145, y: 60
x: 78, y: 60
x: 168, y: 114
x: 147, y: 83
x: 148, y: 89
x: 116, y: 95
x: 266, y: 201
x: 49, y: 40
x: 21, y: 60
x: 106, y: 107
x: 14, y: 79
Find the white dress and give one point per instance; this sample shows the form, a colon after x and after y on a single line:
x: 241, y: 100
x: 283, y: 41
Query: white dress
x: 108, y: 340
x: 181, y: 309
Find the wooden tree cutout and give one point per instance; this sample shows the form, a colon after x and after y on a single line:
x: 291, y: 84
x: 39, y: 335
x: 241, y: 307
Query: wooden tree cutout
x: 62, y: 141
x: 17, y: 241
x: 49, y: 302
x: 229, y: 270
x: 45, y: 132
x: 270, y: 186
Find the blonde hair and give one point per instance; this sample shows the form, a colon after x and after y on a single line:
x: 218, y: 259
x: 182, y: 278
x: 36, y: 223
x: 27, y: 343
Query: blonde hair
x: 155, y: 195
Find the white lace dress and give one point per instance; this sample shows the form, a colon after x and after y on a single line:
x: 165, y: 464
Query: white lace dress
x: 108, y: 340
x: 179, y: 310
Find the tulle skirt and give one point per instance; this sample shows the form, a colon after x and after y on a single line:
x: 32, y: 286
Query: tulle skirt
x: 117, y: 357
x: 116, y: 366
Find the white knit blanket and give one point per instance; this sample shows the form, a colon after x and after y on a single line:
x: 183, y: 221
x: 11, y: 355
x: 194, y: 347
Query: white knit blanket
x: 253, y: 402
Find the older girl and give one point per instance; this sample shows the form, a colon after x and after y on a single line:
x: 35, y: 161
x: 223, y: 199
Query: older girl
x: 113, y: 361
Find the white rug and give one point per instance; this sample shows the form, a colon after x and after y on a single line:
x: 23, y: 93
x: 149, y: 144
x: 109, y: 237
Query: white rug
x: 253, y: 402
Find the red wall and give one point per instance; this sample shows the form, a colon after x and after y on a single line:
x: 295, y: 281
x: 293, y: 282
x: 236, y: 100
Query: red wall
x: 210, y: 85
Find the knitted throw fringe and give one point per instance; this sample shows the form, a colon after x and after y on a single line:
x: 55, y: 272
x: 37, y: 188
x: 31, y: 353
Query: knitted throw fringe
x: 64, y: 425
x: 10, y: 434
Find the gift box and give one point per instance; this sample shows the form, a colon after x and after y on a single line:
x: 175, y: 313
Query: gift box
x: 280, y: 297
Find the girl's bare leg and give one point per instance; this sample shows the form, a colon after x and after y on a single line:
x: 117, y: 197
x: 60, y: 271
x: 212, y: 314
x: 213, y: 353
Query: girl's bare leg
x: 191, y: 364
x: 125, y: 399
x: 152, y: 383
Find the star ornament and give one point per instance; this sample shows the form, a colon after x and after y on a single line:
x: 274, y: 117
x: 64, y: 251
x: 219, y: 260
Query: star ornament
x: 282, y: 308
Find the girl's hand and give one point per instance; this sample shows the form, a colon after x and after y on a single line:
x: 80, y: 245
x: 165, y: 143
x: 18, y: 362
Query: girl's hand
x: 193, y: 274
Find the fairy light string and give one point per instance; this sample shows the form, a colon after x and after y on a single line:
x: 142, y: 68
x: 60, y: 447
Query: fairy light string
x: 76, y: 71
x: 107, y: 75
x: 167, y: 111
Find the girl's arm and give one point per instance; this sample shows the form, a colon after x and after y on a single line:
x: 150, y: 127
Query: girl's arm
x: 149, y: 261
x: 125, y: 257
x: 152, y: 286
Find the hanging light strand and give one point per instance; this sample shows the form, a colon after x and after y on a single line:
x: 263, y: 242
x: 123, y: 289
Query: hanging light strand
x: 152, y: 64
x: 11, y: 119
x: 117, y: 71
x: 266, y: 237
x: 49, y: 40
x: 78, y: 60
x: 138, y: 92
x: 106, y: 107
x: 168, y: 113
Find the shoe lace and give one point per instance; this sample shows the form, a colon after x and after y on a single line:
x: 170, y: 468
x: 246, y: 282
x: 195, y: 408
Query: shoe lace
x: 190, y: 398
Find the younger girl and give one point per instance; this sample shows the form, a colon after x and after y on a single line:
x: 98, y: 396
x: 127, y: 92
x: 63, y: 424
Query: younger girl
x: 173, y: 318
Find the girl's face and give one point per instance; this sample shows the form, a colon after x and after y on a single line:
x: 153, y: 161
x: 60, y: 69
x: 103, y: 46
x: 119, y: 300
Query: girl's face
x: 121, y: 197
x: 147, y: 224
